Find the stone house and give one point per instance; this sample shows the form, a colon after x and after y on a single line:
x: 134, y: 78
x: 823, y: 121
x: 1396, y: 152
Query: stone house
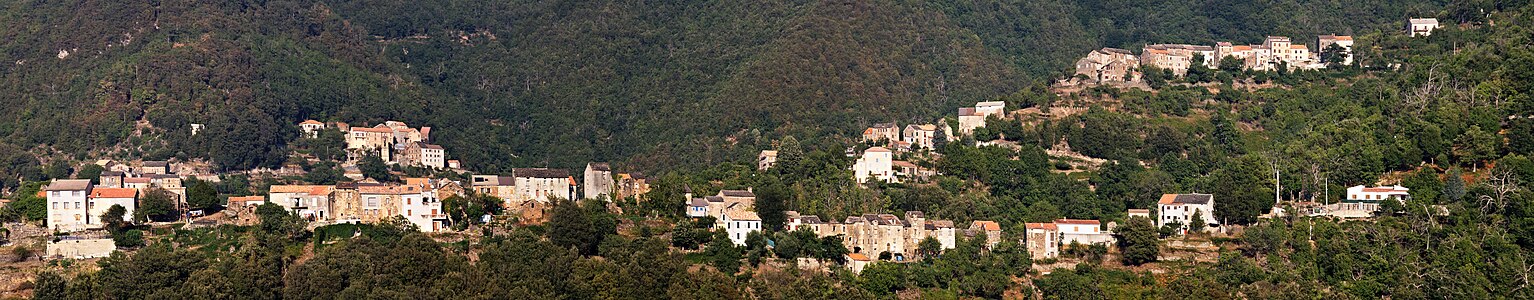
x: 311, y: 202
x: 1042, y: 240
x: 919, y: 135
x: 155, y: 167
x: 873, y: 234
x: 598, y: 181
x: 1177, y: 57
x: 881, y: 133
x: 1109, y: 65
x: 541, y: 184
x: 989, y: 229
x: 503, y: 187
x: 363, y: 140
x: 766, y: 159
x: 634, y: 185
x: 421, y: 154
x: 974, y: 117
x: 110, y: 179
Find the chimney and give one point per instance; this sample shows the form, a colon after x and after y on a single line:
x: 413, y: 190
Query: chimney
x: 748, y: 189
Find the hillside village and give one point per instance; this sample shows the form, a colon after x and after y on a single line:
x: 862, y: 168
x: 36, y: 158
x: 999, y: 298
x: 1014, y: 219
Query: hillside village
x: 393, y: 175
x: 1113, y: 65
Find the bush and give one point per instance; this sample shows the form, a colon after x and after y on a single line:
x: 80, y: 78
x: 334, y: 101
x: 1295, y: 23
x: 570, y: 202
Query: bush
x: 129, y: 239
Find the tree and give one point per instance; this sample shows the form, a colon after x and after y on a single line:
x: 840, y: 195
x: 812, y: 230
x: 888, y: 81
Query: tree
x: 156, y: 205
x: 723, y: 254
x: 202, y: 195
x: 582, y: 229
x: 1476, y: 146
x: 1454, y: 185
x: 882, y: 278
x: 113, y: 217
x: 279, y: 221
x: 929, y: 247
x: 1137, y: 241
x: 58, y: 169
x: 1334, y: 55
x: 770, y: 204
x: 1196, y: 223
x: 128, y: 239
x: 90, y: 171
x: 49, y: 286
x: 705, y: 284
x: 1231, y: 65
x: 1520, y: 136
x: 374, y: 167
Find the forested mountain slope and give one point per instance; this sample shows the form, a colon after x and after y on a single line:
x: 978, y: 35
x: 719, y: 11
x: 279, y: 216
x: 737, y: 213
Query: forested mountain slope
x: 558, y: 83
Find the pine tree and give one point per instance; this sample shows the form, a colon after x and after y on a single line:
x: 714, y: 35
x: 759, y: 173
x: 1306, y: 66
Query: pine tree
x: 1454, y: 186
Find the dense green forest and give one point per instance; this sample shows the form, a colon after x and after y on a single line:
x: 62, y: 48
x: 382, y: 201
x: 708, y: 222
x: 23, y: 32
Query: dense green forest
x: 560, y: 83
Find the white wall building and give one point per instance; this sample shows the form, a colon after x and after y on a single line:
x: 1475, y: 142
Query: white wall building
x: 1346, y: 42
x: 876, y: 163
x: 69, y: 205
x: 974, y: 117
x: 598, y: 181
x: 102, y: 199
x: 1368, y: 198
x: 919, y: 135
x: 739, y: 223
x: 1083, y: 232
x: 1180, y: 208
x: 1421, y: 27
x: 539, y: 184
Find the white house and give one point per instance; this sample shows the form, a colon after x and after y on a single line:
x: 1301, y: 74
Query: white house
x: 433, y: 155
x: 311, y: 128
x: 739, y: 223
x: 1180, y: 208
x: 1368, y: 198
x: 1084, y: 232
x: 69, y: 205
x: 919, y: 136
x: 974, y: 117
x: 1421, y: 27
x: 102, y: 199
x: 308, y: 201
x: 424, y: 209
x: 1346, y: 42
x: 877, y: 163
x: 598, y: 181
x: 539, y: 184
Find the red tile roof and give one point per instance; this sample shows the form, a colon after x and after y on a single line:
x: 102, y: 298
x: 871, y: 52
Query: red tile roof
x: 311, y: 122
x: 987, y: 225
x: 1045, y: 226
x: 857, y: 257
x: 113, y: 193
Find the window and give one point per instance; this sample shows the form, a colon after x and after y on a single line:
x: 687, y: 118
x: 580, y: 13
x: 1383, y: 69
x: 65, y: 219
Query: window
x: 372, y: 202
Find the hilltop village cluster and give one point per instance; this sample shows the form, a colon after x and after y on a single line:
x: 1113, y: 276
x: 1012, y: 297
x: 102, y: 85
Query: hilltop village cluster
x: 75, y: 206
x: 1114, y: 65
x: 872, y: 235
